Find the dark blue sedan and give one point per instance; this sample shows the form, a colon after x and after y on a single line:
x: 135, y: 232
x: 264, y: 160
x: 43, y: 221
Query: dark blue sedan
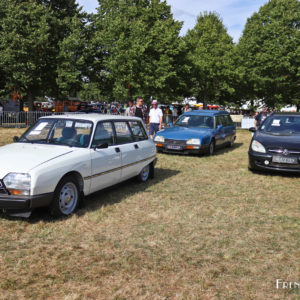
x: 200, y: 131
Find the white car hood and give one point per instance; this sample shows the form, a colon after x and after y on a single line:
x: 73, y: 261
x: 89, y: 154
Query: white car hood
x: 22, y: 158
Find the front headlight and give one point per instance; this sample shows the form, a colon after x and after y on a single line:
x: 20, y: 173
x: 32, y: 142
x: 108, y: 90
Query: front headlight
x: 258, y: 147
x: 159, y: 138
x: 17, y: 183
x: 193, y: 142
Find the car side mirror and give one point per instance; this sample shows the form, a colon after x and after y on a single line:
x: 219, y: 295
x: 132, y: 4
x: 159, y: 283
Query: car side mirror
x: 252, y: 129
x: 16, y: 139
x: 101, y: 146
x: 219, y: 127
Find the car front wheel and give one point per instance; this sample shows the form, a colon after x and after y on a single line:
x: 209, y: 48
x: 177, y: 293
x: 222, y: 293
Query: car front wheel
x: 66, y: 197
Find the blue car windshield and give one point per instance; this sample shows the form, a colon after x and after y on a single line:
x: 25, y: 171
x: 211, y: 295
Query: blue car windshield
x: 195, y: 121
x: 281, y: 125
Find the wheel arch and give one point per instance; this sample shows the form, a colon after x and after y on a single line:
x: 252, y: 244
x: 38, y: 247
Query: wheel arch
x: 78, y: 177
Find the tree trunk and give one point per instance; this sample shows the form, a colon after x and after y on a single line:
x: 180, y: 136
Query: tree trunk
x: 30, y: 101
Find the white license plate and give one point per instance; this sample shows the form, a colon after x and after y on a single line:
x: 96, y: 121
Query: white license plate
x: 174, y: 147
x: 285, y: 160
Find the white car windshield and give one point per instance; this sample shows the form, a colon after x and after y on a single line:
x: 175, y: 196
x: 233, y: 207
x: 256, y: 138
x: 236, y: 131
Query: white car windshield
x: 195, y: 121
x: 282, y: 125
x: 73, y: 133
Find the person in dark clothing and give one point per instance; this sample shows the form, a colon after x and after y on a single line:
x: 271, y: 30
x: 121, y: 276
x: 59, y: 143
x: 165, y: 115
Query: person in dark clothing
x: 140, y: 110
x: 260, y: 118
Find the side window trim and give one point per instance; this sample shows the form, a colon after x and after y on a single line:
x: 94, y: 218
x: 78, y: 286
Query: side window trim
x: 115, y: 131
x: 139, y: 123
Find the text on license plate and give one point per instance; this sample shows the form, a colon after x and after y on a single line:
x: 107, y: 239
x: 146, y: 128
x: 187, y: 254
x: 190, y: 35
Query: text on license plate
x: 174, y: 147
x: 285, y: 160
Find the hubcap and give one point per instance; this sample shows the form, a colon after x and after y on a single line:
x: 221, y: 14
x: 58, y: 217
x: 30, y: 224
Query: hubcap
x: 68, y: 198
x: 145, y: 173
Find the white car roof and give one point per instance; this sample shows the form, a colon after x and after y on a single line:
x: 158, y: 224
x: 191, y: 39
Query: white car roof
x: 93, y: 117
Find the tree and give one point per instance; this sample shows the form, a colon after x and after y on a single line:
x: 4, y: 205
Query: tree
x: 24, y: 40
x: 64, y: 20
x: 209, y: 47
x: 269, y: 51
x: 137, y: 49
x: 73, y: 58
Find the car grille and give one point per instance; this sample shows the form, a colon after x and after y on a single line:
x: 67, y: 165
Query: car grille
x: 175, y: 142
x: 284, y: 151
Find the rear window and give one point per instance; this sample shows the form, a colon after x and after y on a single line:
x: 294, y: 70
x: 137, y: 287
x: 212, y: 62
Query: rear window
x: 138, y: 131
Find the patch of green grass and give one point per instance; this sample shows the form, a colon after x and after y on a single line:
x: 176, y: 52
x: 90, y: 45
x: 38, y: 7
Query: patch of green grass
x: 203, y: 228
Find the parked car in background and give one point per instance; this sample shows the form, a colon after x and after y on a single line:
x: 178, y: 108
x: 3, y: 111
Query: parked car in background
x: 275, y: 145
x: 60, y: 159
x: 198, y: 131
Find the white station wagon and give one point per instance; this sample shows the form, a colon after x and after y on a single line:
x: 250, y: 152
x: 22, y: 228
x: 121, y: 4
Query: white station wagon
x: 60, y: 159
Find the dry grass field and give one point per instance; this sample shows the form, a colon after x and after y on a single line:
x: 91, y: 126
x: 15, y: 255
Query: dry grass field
x: 203, y: 228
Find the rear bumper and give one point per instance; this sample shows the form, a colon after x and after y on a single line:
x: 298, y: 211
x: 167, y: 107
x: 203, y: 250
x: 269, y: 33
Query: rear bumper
x: 263, y: 162
x: 24, y: 202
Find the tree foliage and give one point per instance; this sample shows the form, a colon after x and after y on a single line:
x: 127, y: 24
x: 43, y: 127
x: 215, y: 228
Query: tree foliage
x: 209, y: 55
x: 269, y: 51
x: 24, y: 42
x: 138, y: 48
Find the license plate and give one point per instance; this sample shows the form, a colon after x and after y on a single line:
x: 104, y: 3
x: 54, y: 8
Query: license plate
x: 174, y: 147
x: 285, y: 160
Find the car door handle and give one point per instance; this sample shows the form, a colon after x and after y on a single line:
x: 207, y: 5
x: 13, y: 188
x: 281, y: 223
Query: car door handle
x: 117, y: 149
x: 136, y: 146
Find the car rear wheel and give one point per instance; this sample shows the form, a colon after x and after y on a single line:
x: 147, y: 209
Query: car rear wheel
x: 66, y: 197
x: 211, y: 148
x: 231, y: 143
x: 144, y: 174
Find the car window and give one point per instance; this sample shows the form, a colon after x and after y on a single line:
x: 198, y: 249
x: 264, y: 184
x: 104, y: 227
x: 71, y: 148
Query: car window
x: 103, y: 134
x: 123, y: 133
x: 198, y: 121
x: 224, y: 120
x: 138, y: 131
x: 218, y: 121
x: 282, y: 125
x: 69, y: 132
x: 229, y: 121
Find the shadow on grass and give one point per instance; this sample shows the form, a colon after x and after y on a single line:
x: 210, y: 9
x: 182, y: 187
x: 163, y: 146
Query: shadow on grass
x: 275, y: 173
x: 109, y: 196
x: 116, y: 194
x: 220, y: 151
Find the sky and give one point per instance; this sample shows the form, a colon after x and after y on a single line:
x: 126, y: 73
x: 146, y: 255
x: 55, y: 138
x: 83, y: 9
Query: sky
x: 234, y: 13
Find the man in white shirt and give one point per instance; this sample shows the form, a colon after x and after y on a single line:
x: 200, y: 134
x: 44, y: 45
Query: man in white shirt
x: 155, y: 118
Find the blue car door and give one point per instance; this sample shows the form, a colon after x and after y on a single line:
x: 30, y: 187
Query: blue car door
x: 220, y: 132
x: 229, y: 128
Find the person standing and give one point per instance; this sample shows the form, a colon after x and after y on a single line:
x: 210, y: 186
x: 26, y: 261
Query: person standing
x: 260, y: 118
x: 174, y: 114
x: 187, y: 108
x: 129, y: 110
x: 140, y: 109
x: 155, y: 119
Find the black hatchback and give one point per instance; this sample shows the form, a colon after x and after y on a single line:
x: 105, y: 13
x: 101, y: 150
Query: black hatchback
x: 275, y: 146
